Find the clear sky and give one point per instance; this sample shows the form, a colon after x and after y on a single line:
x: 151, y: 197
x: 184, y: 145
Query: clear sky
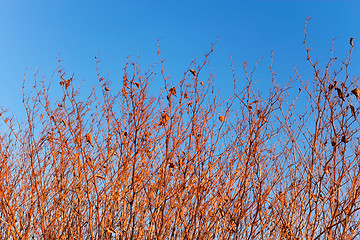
x: 34, y: 33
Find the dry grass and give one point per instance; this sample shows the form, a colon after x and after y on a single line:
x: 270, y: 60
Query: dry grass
x: 184, y: 165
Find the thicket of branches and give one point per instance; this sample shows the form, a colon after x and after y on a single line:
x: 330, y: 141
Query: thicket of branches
x: 185, y: 164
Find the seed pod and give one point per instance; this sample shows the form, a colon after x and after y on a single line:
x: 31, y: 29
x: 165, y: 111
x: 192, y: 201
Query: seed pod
x: 107, y: 89
x: 193, y: 72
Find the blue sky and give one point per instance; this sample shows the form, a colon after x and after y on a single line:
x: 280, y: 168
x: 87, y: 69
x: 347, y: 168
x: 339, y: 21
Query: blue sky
x: 34, y: 33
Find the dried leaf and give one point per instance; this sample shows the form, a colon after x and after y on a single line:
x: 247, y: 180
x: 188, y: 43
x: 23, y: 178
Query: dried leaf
x: 164, y: 118
x: 172, y: 91
x: 171, y: 165
x: 353, y: 111
x: 356, y: 92
x: 193, y: 72
x: 352, y: 42
x: 88, y: 139
x: 221, y: 118
x: 110, y: 230
x: 340, y: 94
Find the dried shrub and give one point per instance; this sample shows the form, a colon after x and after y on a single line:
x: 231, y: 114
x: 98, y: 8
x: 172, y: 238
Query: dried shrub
x: 185, y: 164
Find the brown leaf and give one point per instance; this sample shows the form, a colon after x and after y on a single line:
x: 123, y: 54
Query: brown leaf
x: 110, y: 230
x: 88, y: 139
x: 63, y: 121
x: 193, y: 72
x: 107, y: 89
x: 356, y: 92
x: 352, y: 42
x: 221, y: 118
x: 172, y: 91
x: 340, y: 94
x: 186, y: 95
x: 331, y: 87
x: 164, y: 118
x: 353, y: 111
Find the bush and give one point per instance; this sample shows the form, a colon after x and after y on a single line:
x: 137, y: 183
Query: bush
x: 184, y: 164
